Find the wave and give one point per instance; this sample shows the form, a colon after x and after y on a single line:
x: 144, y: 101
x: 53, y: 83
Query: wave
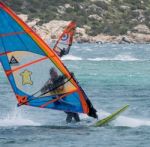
x: 71, y: 57
x: 88, y: 49
x: 15, y: 119
x: 131, y: 122
x: 117, y: 58
x: 122, y: 57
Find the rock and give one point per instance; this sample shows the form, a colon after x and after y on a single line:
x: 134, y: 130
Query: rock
x: 68, y: 6
x: 139, y: 15
x: 103, y: 38
x: 95, y: 9
x: 33, y: 23
x: 51, y: 31
x: 83, y: 40
x: 61, y: 9
x: 102, y: 4
x: 125, y: 39
x: 143, y: 29
x: 105, y: 1
x: 140, y: 38
x: 81, y: 35
x: 24, y: 17
x: 124, y: 8
x: 53, y: 28
x: 95, y: 16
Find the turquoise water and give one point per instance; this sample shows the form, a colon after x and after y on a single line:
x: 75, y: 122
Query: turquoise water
x: 112, y: 76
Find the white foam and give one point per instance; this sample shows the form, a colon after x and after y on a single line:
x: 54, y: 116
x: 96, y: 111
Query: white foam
x: 16, y: 119
x: 125, y: 57
x: 126, y: 121
x: 100, y: 59
x: 71, y: 57
x: 88, y: 49
x: 130, y: 122
x: 121, y: 57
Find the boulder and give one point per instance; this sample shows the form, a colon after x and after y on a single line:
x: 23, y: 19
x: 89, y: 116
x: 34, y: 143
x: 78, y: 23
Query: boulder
x: 143, y: 29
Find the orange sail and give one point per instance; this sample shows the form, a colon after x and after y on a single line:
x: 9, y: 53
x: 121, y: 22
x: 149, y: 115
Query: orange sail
x: 64, y: 43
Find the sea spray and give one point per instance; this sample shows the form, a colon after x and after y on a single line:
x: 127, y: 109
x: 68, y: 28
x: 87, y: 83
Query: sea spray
x: 16, y: 118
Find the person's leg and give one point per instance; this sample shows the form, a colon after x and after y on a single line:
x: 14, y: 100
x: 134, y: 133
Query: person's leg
x: 69, y: 117
x: 76, y: 117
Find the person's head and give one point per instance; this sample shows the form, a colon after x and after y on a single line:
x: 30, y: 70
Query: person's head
x: 53, y: 73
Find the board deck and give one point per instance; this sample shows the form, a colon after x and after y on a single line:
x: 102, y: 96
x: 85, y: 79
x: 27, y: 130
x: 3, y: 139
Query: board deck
x: 111, y: 117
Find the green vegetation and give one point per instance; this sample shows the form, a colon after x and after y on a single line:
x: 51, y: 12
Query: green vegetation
x: 103, y: 16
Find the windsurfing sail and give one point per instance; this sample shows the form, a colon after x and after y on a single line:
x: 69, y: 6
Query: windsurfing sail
x: 28, y: 62
x: 64, y: 43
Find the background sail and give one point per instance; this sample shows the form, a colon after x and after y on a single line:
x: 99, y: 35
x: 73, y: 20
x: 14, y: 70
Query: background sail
x: 27, y: 61
x: 65, y: 40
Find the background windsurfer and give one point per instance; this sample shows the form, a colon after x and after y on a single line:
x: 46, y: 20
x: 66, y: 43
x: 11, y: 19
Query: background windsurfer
x: 64, y: 43
x: 61, y: 52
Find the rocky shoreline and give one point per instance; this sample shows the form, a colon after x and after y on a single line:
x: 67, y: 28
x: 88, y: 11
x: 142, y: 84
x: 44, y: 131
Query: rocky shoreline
x: 50, y: 32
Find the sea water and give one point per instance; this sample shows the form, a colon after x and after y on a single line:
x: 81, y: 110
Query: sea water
x: 112, y: 75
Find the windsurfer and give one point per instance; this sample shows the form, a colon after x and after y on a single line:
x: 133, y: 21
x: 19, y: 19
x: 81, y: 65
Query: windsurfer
x: 64, y: 43
x: 61, y: 52
x: 55, y: 81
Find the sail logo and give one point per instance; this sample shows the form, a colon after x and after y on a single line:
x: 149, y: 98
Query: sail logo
x: 26, y: 77
x: 13, y: 61
x: 65, y: 37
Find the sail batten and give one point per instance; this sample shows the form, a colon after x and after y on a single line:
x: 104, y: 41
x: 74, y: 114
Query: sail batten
x: 11, y: 34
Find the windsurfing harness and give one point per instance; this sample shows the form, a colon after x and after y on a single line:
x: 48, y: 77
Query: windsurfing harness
x: 64, y: 43
x: 27, y: 59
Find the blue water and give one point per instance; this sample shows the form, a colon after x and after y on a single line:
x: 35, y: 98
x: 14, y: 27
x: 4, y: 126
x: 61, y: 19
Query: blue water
x: 112, y: 75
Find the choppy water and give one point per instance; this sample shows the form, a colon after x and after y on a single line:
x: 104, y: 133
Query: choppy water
x: 112, y: 75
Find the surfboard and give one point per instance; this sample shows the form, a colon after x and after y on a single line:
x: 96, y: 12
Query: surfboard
x: 111, y: 117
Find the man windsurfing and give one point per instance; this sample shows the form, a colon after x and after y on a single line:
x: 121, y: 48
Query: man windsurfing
x: 55, y: 83
x: 64, y: 43
x: 61, y: 52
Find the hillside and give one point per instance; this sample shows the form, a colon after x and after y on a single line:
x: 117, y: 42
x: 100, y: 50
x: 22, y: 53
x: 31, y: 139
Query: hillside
x: 110, y: 17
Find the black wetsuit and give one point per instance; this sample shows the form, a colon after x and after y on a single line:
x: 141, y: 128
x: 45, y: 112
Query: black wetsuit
x: 71, y: 115
x: 53, y: 85
x: 64, y: 51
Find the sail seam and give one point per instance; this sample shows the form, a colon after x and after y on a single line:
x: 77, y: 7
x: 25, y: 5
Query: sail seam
x: 54, y: 100
x: 12, y: 34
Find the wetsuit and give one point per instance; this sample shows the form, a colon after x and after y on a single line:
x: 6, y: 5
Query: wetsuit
x: 71, y: 115
x: 53, y: 84
x: 64, y: 51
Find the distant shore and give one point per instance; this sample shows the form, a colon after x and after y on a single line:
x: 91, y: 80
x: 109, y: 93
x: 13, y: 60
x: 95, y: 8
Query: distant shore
x: 53, y: 29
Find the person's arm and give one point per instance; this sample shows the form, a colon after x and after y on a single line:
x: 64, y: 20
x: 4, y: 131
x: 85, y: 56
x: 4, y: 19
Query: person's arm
x: 46, y: 86
x: 66, y: 51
